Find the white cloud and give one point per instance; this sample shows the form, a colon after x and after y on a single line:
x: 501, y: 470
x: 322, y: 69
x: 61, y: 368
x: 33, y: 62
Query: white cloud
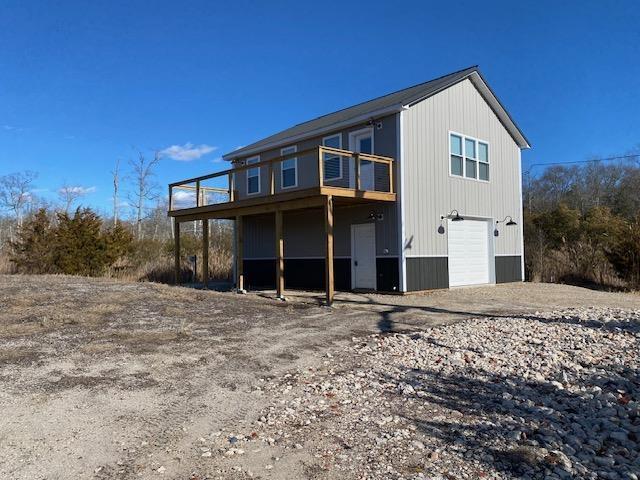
x: 183, y: 199
x: 77, y: 190
x: 11, y: 128
x: 187, y: 152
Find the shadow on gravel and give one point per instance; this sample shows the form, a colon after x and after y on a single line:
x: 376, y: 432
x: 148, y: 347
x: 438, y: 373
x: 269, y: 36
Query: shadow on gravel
x: 531, y: 428
x: 387, y: 325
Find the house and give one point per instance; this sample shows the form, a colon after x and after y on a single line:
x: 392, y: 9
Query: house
x: 415, y: 190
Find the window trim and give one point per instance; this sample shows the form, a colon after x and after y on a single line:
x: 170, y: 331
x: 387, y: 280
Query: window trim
x: 464, y: 157
x: 339, y: 135
x: 295, y: 168
x: 250, y: 161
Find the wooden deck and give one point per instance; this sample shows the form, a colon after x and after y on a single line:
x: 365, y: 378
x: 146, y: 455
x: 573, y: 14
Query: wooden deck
x: 235, y: 207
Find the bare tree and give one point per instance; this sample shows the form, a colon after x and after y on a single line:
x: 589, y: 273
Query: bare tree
x: 69, y: 194
x: 116, y: 187
x: 15, y: 192
x: 145, y: 188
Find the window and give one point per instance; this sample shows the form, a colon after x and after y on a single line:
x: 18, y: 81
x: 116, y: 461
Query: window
x: 289, y: 168
x: 332, y: 163
x: 456, y: 155
x: 468, y: 157
x: 470, y: 162
x: 483, y: 166
x: 253, y: 176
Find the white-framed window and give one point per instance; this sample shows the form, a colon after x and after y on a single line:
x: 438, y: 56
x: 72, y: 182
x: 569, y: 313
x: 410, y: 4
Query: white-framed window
x: 483, y: 159
x: 289, y: 168
x: 253, y: 176
x: 468, y: 157
x: 332, y: 163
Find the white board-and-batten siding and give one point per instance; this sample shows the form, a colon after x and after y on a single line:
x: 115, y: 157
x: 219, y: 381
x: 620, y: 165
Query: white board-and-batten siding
x: 430, y: 191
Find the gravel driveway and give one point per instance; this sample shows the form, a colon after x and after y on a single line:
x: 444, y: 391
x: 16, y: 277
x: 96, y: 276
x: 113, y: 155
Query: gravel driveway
x: 102, y: 379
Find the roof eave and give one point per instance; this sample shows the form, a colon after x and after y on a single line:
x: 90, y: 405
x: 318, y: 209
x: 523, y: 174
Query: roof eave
x: 313, y: 133
x: 485, y: 90
x: 499, y: 109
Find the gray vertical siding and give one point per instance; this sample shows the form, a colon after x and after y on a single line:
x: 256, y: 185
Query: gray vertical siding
x: 429, y: 189
x: 384, y: 144
x: 426, y: 273
x: 303, y: 232
x: 509, y: 268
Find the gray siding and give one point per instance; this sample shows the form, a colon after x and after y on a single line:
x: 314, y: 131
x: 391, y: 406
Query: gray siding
x: 509, y: 269
x: 384, y: 141
x: 429, y: 189
x: 426, y: 273
x: 303, y: 232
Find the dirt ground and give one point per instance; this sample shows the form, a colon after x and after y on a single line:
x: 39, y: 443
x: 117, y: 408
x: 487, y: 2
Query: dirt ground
x: 105, y: 379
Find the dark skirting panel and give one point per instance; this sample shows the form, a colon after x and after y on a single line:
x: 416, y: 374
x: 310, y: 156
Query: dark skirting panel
x: 508, y: 269
x: 426, y: 273
x: 387, y: 269
x: 307, y: 273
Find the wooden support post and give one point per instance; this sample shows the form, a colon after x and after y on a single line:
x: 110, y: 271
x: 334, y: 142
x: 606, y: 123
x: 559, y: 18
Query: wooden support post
x: 198, y: 193
x: 328, y: 227
x: 391, y: 188
x: 239, y: 255
x: 279, y: 256
x: 272, y: 180
x: 357, y: 157
x: 231, y: 188
x: 205, y: 253
x: 170, y: 198
x: 176, y: 237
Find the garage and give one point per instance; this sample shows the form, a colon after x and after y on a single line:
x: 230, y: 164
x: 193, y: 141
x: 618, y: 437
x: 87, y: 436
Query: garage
x: 469, y: 252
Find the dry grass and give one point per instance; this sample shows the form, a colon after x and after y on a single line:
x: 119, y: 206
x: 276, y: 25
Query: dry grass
x: 6, y: 267
x: 161, y: 270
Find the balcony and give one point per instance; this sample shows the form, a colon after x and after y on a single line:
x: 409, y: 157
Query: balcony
x: 269, y: 185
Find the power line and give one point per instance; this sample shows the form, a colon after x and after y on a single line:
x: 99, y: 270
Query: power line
x: 619, y: 157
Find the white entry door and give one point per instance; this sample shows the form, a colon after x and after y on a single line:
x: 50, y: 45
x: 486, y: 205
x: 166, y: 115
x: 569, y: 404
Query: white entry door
x: 469, y: 253
x: 363, y: 256
x: 362, y: 142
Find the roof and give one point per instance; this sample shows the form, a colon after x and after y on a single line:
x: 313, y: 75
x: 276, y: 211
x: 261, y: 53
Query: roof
x: 387, y: 104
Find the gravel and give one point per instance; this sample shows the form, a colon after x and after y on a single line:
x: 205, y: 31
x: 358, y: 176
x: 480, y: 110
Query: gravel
x: 549, y: 395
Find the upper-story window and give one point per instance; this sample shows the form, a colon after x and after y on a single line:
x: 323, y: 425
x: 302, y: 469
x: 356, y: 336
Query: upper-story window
x: 253, y: 176
x: 289, y: 168
x: 469, y: 157
x: 332, y: 163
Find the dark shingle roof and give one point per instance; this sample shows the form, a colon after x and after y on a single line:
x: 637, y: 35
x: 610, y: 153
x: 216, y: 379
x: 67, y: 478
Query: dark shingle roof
x: 400, y: 98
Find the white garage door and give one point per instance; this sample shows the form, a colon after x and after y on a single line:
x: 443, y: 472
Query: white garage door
x: 468, y: 253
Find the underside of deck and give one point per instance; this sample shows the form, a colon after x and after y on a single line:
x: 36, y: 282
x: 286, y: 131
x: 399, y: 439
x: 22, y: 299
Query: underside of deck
x: 299, y: 199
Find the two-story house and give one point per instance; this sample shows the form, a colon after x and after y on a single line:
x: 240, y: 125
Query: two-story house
x: 415, y: 190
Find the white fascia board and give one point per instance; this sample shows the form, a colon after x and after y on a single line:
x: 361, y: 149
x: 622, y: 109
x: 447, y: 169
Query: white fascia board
x: 493, y: 102
x: 402, y: 254
x: 319, y: 131
x: 499, y: 110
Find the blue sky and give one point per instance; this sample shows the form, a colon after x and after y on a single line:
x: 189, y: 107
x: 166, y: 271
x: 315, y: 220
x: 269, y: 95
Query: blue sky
x: 83, y: 82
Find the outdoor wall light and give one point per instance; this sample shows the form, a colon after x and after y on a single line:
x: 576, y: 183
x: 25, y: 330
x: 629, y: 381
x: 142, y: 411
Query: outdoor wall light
x: 454, y: 218
x: 509, y: 223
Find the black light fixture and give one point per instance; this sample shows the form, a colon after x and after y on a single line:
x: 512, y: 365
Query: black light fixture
x: 509, y: 223
x: 457, y: 217
x: 454, y: 218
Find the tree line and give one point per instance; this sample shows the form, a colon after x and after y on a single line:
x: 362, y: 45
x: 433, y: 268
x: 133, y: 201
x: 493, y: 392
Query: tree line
x: 133, y: 241
x: 582, y: 224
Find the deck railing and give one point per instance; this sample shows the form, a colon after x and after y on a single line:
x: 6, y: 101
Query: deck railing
x: 369, y: 172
